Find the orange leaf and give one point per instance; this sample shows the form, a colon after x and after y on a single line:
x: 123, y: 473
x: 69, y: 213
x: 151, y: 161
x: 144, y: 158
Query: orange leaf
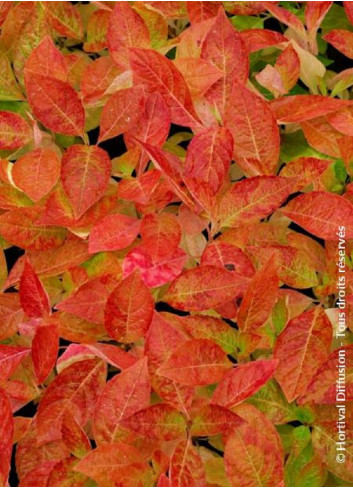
x: 11, y: 315
x: 342, y: 40
x: 55, y: 104
x: 242, y: 382
x: 261, y: 463
x: 186, y: 466
x: 129, y: 310
x: 157, y: 73
x: 321, y: 213
x: 6, y: 437
x: 259, y: 298
x: 300, y: 349
x: 202, y: 288
x: 33, y: 297
x: 132, y: 33
x: 113, y: 232
x: 114, y: 464
x: 124, y: 395
x: 88, y: 300
x: 85, y: 174
x: 45, y: 350
x: 37, y: 172
x: 14, y: 131
x: 252, y: 199
x: 196, y: 362
x: 208, y: 158
x: 224, y: 47
x: 10, y: 359
x: 210, y: 420
x: 69, y: 392
x: 254, y: 129
x: 299, y: 108
x: 121, y: 112
x: 65, y: 19
x: 160, y: 422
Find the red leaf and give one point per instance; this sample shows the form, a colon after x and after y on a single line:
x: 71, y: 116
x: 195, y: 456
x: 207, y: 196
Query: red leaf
x: 49, y: 263
x: 252, y: 199
x: 254, y: 130
x: 299, y: 108
x: 202, y: 288
x: 259, y: 298
x: 257, y: 39
x: 208, y: 158
x: 111, y: 354
x: 321, y: 213
x: 115, y: 465
x: 10, y: 359
x: 5, y: 7
x: 199, y: 11
x: 132, y: 33
x: 284, y: 75
x: 315, y: 13
x: 46, y: 60
x: 124, y: 395
x: 210, y: 328
x: 198, y: 73
x: 65, y: 19
x: 69, y: 393
x: 262, y: 463
x: 342, y: 120
x: 129, y: 310
x: 85, y: 175
x: 121, y: 112
x: 14, y: 131
x: 286, y: 17
x: 55, y: 104
x: 44, y: 350
x: 306, y: 170
x: 167, y: 164
x: 11, y: 315
x: 196, y: 362
x: 321, y: 136
x: 158, y: 74
x: 161, y: 340
x: 300, y: 349
x: 153, y: 125
x: 20, y: 228
x: 139, y: 189
x: 88, y: 301
x: 160, y: 422
x: 37, y: 172
x: 33, y: 297
x: 113, y: 232
x: 210, y: 420
x: 242, y: 382
x: 228, y: 256
x: 161, y: 235
x: 157, y: 273
x: 186, y: 466
x: 322, y: 389
x: 98, y: 76
x: 79, y: 330
x: 97, y: 28
x: 6, y: 438
x: 224, y: 47
x: 342, y: 40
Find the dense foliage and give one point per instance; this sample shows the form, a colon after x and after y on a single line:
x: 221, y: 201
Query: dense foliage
x: 175, y: 196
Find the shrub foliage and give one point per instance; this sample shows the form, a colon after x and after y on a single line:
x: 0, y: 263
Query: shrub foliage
x: 175, y: 196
